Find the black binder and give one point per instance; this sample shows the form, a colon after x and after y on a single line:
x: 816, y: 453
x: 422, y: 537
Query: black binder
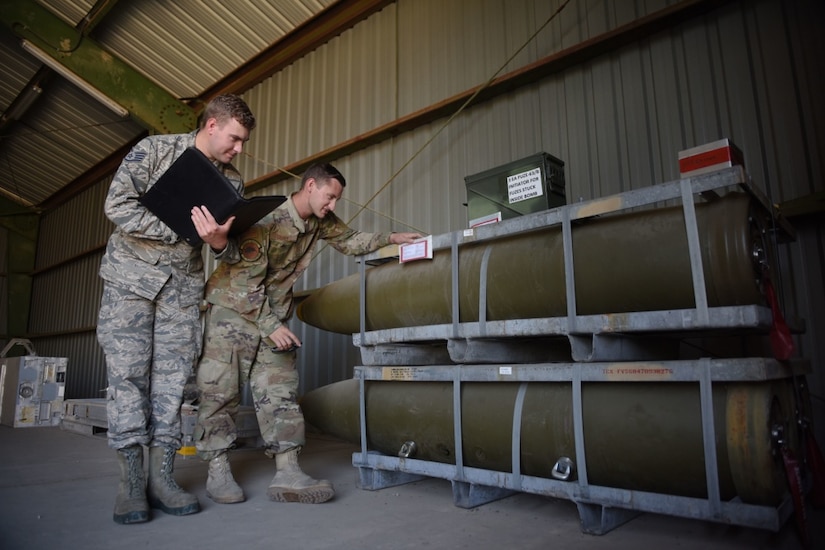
x: 193, y: 180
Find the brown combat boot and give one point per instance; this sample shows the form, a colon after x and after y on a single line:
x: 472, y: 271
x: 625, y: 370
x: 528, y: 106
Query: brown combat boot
x: 291, y: 484
x: 130, y: 503
x: 163, y: 493
x: 220, y: 485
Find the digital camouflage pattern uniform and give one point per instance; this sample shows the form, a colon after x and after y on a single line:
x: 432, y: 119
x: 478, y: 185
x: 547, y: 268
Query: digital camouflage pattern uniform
x: 248, y: 301
x: 148, y: 325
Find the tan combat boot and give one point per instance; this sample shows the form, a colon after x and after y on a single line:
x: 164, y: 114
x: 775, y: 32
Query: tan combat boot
x: 163, y: 493
x: 220, y: 485
x: 290, y: 484
x: 130, y: 503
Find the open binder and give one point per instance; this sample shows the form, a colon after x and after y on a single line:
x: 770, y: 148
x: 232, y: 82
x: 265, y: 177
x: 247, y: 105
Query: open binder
x: 193, y: 180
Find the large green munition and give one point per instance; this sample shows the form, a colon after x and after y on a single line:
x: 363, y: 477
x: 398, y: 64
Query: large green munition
x: 628, y: 262
x: 646, y: 428
x: 644, y: 436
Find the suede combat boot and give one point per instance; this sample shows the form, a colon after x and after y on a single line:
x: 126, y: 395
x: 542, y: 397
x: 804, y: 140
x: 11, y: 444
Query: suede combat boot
x: 291, y: 484
x: 163, y: 493
x: 130, y: 503
x: 220, y: 485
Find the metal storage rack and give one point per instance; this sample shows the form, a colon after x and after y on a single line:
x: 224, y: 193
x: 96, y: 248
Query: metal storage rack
x: 599, y: 346
x: 600, y: 508
x: 592, y: 337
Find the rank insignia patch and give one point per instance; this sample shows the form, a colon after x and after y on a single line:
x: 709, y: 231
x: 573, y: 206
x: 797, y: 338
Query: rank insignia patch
x: 135, y: 156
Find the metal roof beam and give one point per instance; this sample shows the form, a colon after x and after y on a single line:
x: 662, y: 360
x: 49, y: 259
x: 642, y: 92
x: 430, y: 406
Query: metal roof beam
x: 147, y: 103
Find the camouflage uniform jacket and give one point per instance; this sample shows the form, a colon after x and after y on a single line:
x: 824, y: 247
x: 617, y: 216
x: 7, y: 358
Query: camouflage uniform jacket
x: 143, y: 253
x: 274, y: 253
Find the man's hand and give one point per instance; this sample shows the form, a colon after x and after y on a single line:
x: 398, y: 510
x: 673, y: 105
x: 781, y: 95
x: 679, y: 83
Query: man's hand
x: 404, y: 238
x: 212, y: 233
x: 284, y: 339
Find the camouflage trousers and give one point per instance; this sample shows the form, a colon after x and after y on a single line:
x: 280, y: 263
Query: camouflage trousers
x: 150, y: 348
x: 234, y: 355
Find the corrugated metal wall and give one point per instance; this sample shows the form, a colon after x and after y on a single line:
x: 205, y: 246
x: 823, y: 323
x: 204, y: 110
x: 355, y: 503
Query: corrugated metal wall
x: 747, y: 71
x: 66, y: 289
x: 4, y: 247
x: 744, y: 71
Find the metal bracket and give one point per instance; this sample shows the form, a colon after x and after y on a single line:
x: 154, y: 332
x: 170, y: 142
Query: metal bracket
x: 21, y: 341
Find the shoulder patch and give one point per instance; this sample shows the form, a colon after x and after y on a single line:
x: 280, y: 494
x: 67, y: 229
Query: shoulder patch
x: 135, y: 156
x: 251, y: 250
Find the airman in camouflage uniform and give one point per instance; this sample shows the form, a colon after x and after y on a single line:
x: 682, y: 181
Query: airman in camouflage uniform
x: 247, y: 340
x: 149, y: 320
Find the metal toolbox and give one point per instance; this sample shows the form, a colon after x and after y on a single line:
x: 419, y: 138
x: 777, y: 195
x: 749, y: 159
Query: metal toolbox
x: 31, y: 390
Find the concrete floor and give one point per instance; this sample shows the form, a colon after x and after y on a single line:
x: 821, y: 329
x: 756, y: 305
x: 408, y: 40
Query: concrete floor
x: 57, y: 490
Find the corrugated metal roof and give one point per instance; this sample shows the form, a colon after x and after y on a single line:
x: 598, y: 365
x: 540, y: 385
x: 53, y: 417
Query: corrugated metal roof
x: 59, y: 141
x: 185, y: 47
x: 70, y: 11
x: 188, y: 45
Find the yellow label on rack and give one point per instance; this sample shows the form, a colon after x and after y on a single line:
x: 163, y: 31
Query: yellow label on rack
x: 397, y: 373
